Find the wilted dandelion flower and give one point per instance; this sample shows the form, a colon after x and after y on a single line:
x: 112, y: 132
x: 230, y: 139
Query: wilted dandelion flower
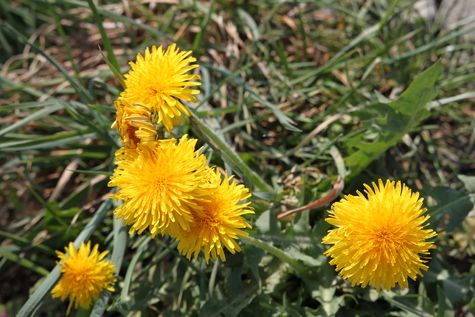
x: 84, y: 275
x: 158, y: 80
x: 219, y: 221
x: 159, y: 184
x: 379, y: 240
x: 134, y: 123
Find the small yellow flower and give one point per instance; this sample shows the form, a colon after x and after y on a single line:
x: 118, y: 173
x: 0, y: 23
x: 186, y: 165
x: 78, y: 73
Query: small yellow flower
x: 158, y: 80
x: 159, y: 184
x: 134, y: 123
x: 219, y: 222
x: 379, y: 240
x: 84, y: 275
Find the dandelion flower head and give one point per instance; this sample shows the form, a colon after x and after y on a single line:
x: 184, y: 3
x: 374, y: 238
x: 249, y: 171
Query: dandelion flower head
x: 379, y: 239
x: 219, y: 221
x: 158, y: 80
x: 85, y: 274
x: 134, y: 123
x: 159, y: 184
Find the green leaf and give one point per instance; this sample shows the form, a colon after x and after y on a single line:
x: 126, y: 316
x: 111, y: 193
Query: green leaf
x: 468, y: 182
x: 247, y: 19
x: 22, y: 261
x: 452, y: 202
x: 213, y: 308
x: 267, y: 223
x: 385, y: 124
x: 445, y: 306
x: 229, y: 156
x: 51, y: 141
x: 283, y: 119
x: 411, y: 310
x: 119, y: 246
x: 33, y: 117
x: 420, y: 92
x: 114, y: 70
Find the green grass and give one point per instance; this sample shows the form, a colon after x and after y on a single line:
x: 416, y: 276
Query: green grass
x: 291, y: 94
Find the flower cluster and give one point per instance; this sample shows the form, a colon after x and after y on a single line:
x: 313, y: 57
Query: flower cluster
x: 378, y: 240
x: 165, y: 183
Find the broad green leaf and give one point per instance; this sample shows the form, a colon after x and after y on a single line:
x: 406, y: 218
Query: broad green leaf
x: 468, y: 182
x: 385, y: 124
x: 419, y: 93
x: 445, y: 306
x: 213, y: 308
x: 452, y: 202
x: 267, y: 223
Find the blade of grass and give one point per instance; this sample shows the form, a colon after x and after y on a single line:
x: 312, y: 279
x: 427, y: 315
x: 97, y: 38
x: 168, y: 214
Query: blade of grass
x: 203, y: 25
x: 25, y: 242
x: 85, y: 96
x: 51, y: 141
x: 283, y: 119
x: 23, y: 262
x: 126, y: 20
x: 131, y: 269
x: 114, y: 70
x: 47, y: 207
x: 25, y: 105
x: 66, y: 45
x: 119, y: 246
x: 450, y: 36
x: 105, y: 38
x: 388, y: 13
x: 33, y: 117
x: 365, y: 35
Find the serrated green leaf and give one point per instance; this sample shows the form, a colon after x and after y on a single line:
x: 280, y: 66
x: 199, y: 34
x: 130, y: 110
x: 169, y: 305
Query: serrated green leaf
x: 419, y: 93
x: 386, y: 124
x: 445, y: 308
x: 452, y: 202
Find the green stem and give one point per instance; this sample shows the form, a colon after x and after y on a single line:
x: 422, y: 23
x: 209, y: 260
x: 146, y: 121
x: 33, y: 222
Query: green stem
x: 301, y: 270
x: 229, y: 156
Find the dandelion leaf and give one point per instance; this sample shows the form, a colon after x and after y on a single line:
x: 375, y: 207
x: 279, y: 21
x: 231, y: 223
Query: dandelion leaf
x: 384, y: 124
x: 419, y: 93
x: 452, y: 202
x: 444, y: 304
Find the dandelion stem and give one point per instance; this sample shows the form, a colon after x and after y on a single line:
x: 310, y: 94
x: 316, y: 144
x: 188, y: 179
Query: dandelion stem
x: 301, y: 270
x: 229, y: 156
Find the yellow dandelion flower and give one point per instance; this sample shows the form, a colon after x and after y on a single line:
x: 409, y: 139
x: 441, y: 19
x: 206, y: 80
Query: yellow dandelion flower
x: 219, y: 222
x: 84, y: 275
x: 379, y: 240
x: 158, y: 80
x: 134, y: 123
x: 159, y: 184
